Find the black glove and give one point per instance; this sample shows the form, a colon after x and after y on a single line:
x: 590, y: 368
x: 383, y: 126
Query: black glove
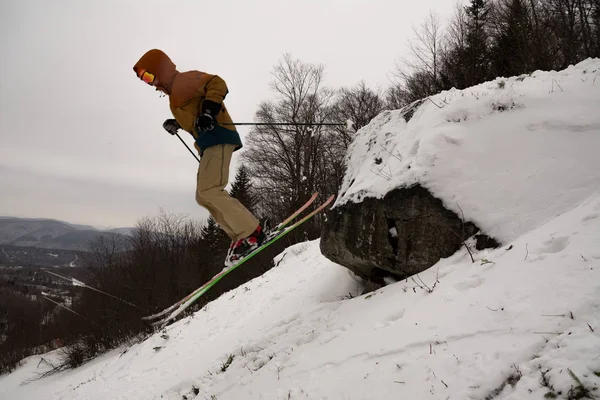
x: 171, y: 125
x: 206, y: 121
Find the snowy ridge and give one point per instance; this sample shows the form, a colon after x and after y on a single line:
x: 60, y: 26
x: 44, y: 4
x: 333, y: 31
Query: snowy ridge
x: 520, y: 322
x: 510, y: 153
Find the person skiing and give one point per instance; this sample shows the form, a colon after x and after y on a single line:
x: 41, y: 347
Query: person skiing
x: 196, y: 102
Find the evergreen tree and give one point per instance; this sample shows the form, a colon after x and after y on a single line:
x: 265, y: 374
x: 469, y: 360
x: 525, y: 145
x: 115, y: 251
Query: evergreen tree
x: 476, y: 56
x: 242, y: 189
x: 466, y: 58
x: 214, y: 238
x: 511, y: 53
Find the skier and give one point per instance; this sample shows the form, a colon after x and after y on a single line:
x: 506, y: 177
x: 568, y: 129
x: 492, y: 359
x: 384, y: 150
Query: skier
x: 196, y: 102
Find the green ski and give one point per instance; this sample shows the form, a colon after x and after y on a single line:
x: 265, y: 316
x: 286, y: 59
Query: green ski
x: 277, y: 228
x: 189, y: 300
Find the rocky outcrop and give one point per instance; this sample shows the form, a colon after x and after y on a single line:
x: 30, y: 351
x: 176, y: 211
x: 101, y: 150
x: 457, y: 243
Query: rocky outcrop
x: 404, y: 233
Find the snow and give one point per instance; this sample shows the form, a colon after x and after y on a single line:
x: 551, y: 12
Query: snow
x: 520, y: 322
x: 508, y: 171
x: 72, y: 263
x: 77, y: 282
x: 393, y: 232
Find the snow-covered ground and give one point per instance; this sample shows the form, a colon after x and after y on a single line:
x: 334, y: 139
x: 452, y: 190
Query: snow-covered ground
x: 522, y: 321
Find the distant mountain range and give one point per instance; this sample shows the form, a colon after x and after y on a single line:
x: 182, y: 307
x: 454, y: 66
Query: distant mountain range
x: 50, y: 233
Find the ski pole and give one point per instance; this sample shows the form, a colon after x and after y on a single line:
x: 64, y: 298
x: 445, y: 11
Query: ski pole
x: 282, y: 124
x: 61, y: 305
x: 187, y: 147
x: 77, y: 282
x: 262, y: 124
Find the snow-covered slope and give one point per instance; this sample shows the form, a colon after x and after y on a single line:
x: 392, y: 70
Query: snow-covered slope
x: 520, y: 322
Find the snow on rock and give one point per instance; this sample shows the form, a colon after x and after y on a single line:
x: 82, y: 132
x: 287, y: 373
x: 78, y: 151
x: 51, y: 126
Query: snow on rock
x: 393, y: 232
x: 510, y: 153
x: 522, y: 321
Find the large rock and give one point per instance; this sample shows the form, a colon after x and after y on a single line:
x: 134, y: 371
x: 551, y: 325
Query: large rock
x: 400, y: 235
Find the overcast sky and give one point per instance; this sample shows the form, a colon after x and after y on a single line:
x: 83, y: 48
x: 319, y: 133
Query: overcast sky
x: 81, y: 137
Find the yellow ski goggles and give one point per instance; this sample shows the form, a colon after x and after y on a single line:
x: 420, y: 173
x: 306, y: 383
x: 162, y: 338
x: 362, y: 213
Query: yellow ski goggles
x: 146, y: 76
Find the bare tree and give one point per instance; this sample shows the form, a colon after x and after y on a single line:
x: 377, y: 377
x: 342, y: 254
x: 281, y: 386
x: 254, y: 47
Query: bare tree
x: 453, y: 71
x: 419, y: 71
x: 575, y: 24
x: 396, y: 96
x: 358, y: 104
x: 289, y: 163
x: 457, y: 32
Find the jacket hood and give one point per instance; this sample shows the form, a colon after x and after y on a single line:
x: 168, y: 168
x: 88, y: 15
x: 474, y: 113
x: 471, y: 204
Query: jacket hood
x: 160, y: 65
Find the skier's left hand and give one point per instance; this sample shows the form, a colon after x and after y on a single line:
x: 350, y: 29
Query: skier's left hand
x: 171, y: 125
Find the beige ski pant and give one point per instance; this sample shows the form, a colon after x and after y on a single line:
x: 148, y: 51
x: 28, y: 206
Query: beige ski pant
x: 228, y: 212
